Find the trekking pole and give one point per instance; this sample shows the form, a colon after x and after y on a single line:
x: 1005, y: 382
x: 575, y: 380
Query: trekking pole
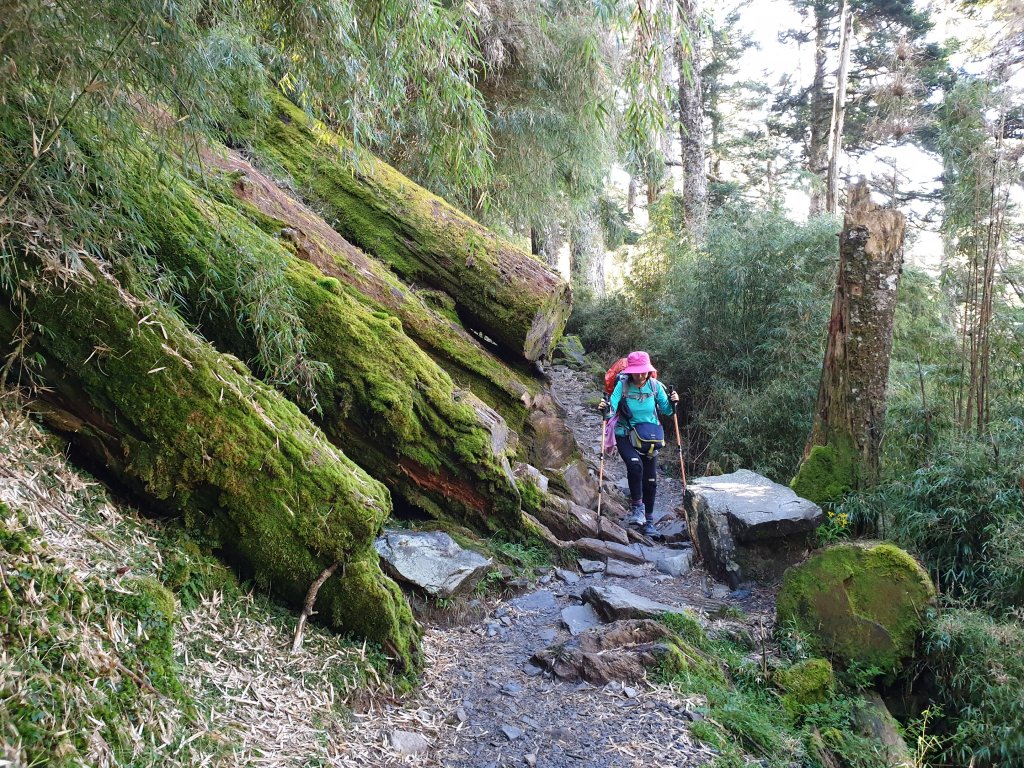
x: 600, y: 476
x: 682, y: 474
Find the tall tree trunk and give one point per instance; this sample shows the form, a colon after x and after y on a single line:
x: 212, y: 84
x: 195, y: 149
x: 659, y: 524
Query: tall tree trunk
x: 835, y: 132
x: 586, y: 255
x: 820, y: 105
x: 546, y: 241
x: 842, y: 450
x: 691, y: 120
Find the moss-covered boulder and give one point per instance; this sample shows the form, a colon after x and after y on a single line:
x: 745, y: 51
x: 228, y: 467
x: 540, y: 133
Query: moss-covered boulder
x: 189, y: 429
x: 811, y: 681
x: 828, y: 473
x: 861, y: 604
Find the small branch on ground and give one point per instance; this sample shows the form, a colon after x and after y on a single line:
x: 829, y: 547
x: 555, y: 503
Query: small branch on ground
x: 307, y: 606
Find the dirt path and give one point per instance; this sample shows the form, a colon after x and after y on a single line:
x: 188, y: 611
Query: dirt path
x: 482, y: 703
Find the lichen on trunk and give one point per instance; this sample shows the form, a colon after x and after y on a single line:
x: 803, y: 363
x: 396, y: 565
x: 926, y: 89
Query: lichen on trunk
x: 190, y: 430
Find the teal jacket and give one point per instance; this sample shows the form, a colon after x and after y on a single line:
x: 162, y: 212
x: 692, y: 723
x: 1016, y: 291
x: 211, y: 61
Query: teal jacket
x: 643, y: 402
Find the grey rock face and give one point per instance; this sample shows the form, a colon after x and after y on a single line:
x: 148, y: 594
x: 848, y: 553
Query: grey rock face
x: 615, y: 603
x: 748, y: 525
x: 579, y: 618
x: 569, y: 349
x: 623, y: 570
x: 675, y: 565
x: 596, y: 548
x: 589, y: 566
x: 541, y: 600
x: 431, y: 561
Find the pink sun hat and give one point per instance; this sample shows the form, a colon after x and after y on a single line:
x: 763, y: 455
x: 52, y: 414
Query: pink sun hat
x: 638, y: 362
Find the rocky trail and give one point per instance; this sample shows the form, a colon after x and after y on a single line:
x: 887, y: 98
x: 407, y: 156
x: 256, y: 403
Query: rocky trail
x: 485, y: 703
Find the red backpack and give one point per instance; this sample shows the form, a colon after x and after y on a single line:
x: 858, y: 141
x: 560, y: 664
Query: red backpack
x: 611, y: 376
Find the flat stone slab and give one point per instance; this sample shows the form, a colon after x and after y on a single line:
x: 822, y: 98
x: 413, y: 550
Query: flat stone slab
x: 623, y: 570
x: 430, y: 560
x: 756, y: 507
x: 541, y: 600
x: 609, y: 549
x: 615, y: 603
x: 580, y: 618
x: 589, y: 566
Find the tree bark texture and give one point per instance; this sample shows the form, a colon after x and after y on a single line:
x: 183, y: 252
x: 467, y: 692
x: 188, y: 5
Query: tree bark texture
x: 500, y: 291
x: 190, y: 430
x: 385, y: 402
x: 835, y: 132
x: 546, y: 242
x: 850, y: 411
x: 691, y: 121
x: 586, y: 254
x: 820, y: 108
x: 427, y: 315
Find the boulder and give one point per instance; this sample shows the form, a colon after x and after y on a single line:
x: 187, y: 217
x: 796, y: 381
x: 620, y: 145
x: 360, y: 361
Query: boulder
x: 675, y: 565
x: 808, y: 682
x: 408, y: 743
x: 528, y: 473
x: 580, y: 486
x: 566, y: 519
x: 430, y: 560
x: 621, y: 651
x: 615, y: 603
x: 874, y: 720
x: 862, y: 603
x: 569, y: 350
x: 749, y: 526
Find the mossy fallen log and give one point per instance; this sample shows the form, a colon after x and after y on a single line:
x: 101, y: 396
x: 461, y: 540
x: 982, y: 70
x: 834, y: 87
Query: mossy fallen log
x: 303, y: 231
x: 498, y: 290
x: 189, y: 429
x: 385, y: 402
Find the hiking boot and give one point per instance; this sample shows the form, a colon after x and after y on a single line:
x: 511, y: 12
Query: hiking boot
x: 649, y: 529
x: 637, y: 516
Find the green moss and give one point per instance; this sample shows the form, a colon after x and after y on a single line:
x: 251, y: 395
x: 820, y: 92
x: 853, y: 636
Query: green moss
x: 828, y: 473
x: 862, y: 604
x: 419, y: 235
x: 383, y: 399
x: 531, y: 495
x: 807, y: 682
x: 197, y: 433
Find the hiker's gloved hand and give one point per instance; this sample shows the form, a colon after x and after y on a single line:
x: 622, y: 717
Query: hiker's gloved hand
x: 673, y: 397
x: 603, y: 405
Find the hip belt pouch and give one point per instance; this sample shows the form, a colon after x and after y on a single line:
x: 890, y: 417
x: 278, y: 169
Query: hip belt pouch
x: 648, y: 439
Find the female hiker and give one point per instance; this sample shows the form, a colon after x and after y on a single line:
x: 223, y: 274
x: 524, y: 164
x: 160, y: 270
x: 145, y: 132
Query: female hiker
x: 636, y: 401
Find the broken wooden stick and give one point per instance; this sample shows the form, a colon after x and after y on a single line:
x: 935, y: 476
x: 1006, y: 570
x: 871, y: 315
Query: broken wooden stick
x: 307, y: 605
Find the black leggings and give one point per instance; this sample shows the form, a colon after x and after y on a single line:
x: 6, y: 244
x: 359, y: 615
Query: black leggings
x: 641, y: 471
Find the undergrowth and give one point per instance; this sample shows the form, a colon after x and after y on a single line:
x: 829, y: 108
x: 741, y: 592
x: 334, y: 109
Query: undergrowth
x: 123, y: 641
x: 747, y: 713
